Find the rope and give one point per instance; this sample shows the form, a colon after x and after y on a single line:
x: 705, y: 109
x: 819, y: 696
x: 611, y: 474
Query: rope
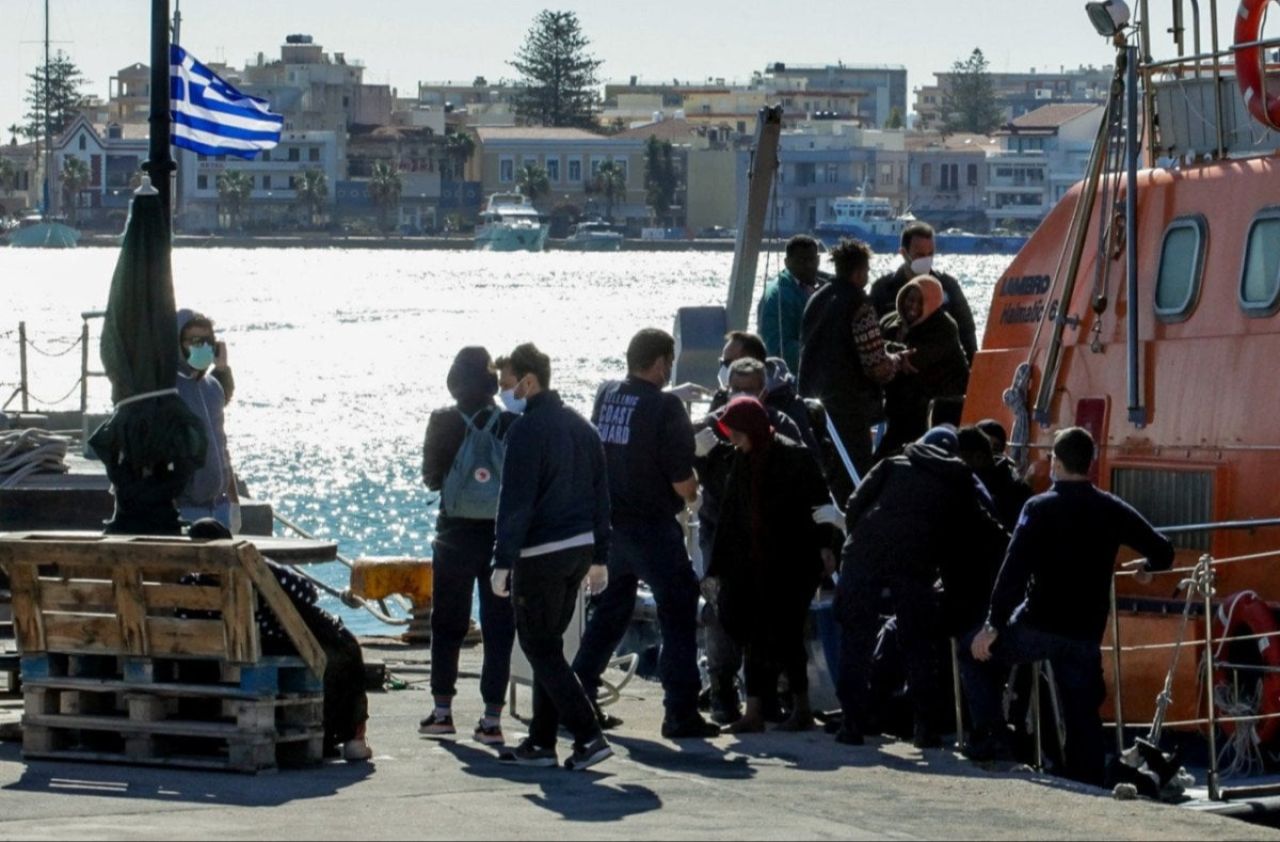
x: 74, y: 344
x: 27, y: 452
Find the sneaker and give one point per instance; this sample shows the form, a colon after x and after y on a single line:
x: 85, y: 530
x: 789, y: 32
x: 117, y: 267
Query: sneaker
x: 586, y: 756
x: 606, y: 721
x: 693, y: 727
x: 357, y: 751
x: 528, y: 754
x: 850, y: 737
x: 489, y: 735
x: 437, y: 726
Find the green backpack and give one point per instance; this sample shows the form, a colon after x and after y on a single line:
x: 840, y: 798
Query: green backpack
x: 471, y: 487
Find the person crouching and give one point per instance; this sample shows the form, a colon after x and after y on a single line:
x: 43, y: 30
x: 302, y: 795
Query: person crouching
x: 768, y: 557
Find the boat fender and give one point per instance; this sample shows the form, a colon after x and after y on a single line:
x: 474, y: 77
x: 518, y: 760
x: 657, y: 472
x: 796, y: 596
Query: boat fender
x: 1251, y: 64
x: 1245, y: 614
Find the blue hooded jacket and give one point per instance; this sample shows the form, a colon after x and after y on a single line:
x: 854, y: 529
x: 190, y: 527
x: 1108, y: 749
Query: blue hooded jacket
x: 204, y: 396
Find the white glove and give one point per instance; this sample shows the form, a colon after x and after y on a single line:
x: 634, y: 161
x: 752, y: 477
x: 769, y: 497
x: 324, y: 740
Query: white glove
x: 597, y: 580
x: 829, y: 515
x: 501, y: 583
x: 704, y: 441
x: 689, y: 392
x: 696, y: 504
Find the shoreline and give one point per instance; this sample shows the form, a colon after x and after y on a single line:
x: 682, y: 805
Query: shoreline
x: 401, y: 243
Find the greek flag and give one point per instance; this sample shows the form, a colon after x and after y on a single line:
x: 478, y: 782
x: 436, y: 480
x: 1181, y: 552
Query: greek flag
x: 211, y: 117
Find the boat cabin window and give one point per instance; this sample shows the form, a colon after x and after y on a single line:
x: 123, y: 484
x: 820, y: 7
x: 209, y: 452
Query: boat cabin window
x: 1181, y: 264
x: 1260, y: 286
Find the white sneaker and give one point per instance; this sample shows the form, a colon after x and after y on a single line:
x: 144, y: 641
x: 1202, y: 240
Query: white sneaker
x: 357, y: 751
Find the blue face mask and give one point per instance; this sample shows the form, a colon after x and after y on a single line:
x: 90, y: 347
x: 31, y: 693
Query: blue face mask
x: 511, y: 402
x: 200, y: 357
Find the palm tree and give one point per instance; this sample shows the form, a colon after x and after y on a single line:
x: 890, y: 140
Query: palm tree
x: 611, y: 182
x: 234, y: 189
x: 313, y: 192
x: 75, y: 177
x: 384, y: 190
x: 14, y: 130
x: 532, y: 181
x: 459, y: 147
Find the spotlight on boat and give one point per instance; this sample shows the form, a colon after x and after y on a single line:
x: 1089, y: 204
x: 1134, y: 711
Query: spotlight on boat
x: 1108, y: 17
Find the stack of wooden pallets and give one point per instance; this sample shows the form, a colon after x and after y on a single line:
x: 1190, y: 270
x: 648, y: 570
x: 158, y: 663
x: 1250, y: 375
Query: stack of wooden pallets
x: 123, y: 660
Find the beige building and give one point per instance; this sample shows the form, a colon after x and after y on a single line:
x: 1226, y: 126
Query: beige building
x: 571, y: 159
x: 22, y: 191
x: 129, y: 93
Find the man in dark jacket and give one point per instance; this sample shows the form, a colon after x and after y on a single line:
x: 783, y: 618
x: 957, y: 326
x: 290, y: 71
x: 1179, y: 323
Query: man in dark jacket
x: 649, y: 449
x: 917, y: 259
x: 843, y: 361
x: 552, y: 532
x: 1051, y: 602
x: 463, y: 551
x: 780, y: 391
x: 905, y: 518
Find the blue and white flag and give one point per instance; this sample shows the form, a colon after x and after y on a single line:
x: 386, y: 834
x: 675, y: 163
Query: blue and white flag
x: 213, y: 118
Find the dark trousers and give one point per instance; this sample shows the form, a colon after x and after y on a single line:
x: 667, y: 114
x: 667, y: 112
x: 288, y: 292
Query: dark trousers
x: 858, y: 602
x: 654, y: 552
x: 854, y: 429
x: 1077, y: 670
x: 463, y: 551
x: 724, y: 655
x: 544, y: 592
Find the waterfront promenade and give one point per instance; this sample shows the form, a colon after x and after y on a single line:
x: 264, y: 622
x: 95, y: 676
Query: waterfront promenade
x: 773, y: 786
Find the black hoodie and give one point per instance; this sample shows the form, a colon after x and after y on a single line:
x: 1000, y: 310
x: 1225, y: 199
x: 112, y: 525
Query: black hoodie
x: 472, y: 385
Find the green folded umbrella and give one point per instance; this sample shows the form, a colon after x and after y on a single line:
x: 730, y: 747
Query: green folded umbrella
x: 152, y: 444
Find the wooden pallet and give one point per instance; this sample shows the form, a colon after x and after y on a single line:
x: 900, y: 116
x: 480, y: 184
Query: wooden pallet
x: 161, y: 713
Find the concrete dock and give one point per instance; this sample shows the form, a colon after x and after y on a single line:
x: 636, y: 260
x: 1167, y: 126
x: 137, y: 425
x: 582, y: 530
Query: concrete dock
x: 770, y: 786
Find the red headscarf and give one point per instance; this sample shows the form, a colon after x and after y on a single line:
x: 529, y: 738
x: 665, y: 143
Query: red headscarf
x: 932, y: 296
x: 747, y: 415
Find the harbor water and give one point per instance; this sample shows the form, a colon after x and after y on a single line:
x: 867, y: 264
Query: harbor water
x: 339, y: 355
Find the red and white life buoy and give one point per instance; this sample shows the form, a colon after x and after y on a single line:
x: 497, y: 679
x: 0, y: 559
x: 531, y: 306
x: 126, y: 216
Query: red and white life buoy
x: 1251, y: 64
x: 1243, y: 615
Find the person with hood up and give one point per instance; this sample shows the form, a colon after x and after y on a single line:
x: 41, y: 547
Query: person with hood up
x: 906, y: 517
x: 769, y: 557
x: 211, y: 493
x: 923, y: 328
x: 463, y: 546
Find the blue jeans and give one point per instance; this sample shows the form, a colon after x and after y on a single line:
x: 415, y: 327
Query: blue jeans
x: 463, y: 552
x: 1077, y: 670
x: 654, y: 552
x: 219, y: 510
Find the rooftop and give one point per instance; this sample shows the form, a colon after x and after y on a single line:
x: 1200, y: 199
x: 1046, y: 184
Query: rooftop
x: 1053, y: 116
x: 488, y: 134
x: 676, y: 131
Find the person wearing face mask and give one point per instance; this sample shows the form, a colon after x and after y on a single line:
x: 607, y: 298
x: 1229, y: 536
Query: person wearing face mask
x: 920, y: 326
x: 211, y: 492
x: 463, y: 546
x: 649, y: 449
x: 746, y: 377
x: 507, y: 386
x: 918, y: 259
x: 844, y: 362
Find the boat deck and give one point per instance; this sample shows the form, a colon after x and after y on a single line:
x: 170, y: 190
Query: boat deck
x: 764, y: 786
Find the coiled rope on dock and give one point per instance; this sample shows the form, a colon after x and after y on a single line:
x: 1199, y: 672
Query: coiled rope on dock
x: 27, y: 452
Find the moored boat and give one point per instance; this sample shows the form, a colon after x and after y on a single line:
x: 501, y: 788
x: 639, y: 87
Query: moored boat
x: 510, y: 223
x: 593, y: 235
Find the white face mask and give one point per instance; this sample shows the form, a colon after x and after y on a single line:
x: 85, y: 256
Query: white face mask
x: 722, y: 377
x: 922, y: 265
x: 511, y: 402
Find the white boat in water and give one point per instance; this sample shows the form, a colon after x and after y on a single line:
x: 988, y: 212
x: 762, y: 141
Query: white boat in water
x: 510, y: 223
x: 593, y: 236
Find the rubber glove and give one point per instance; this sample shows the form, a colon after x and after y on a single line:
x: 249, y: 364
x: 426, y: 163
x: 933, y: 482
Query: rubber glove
x: 597, y: 579
x: 501, y: 583
x: 704, y: 441
x: 829, y: 515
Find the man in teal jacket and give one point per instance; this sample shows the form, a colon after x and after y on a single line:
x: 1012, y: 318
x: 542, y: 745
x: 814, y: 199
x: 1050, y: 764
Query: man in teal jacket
x: 781, y: 308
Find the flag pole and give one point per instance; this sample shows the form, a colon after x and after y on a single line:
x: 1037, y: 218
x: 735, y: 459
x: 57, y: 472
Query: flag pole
x: 160, y: 163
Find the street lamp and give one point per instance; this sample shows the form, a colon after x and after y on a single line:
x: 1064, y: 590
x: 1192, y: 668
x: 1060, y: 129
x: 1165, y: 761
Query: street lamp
x: 1108, y: 17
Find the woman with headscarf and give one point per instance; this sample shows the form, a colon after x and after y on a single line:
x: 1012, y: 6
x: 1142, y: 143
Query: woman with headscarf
x: 923, y: 329
x: 769, y: 558
x: 463, y: 545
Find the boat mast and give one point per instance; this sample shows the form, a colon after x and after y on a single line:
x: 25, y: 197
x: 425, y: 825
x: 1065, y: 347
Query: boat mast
x: 160, y: 164
x: 48, y: 122
x: 746, y: 253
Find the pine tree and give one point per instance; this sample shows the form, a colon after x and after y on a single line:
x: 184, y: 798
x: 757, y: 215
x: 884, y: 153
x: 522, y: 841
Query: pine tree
x: 895, y: 120
x: 969, y: 101
x: 65, y: 98
x: 660, y: 176
x: 559, y: 74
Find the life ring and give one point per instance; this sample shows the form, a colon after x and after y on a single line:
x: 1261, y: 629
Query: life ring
x: 1242, y: 615
x: 1251, y: 64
